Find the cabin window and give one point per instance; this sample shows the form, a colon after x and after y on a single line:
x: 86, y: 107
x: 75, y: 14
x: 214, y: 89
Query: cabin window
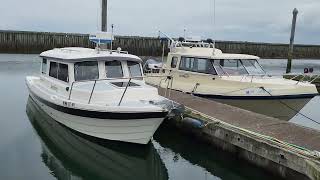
x: 204, y: 66
x: 63, y: 73
x: 59, y: 71
x: 44, y: 66
x: 53, y: 70
x: 114, y: 69
x: 86, y: 70
x: 186, y: 63
x: 200, y: 65
x: 134, y: 69
x: 174, y: 62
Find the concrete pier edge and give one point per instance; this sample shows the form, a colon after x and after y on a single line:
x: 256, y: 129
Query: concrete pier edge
x: 273, y: 156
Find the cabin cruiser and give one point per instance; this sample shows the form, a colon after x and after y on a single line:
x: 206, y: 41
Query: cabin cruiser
x: 72, y: 155
x: 100, y: 93
x: 199, y: 68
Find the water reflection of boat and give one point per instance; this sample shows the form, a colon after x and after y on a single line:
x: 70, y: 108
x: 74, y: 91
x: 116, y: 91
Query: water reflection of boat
x: 216, y: 162
x: 72, y: 155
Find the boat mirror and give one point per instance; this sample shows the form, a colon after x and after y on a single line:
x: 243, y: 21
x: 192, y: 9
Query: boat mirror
x: 67, y: 88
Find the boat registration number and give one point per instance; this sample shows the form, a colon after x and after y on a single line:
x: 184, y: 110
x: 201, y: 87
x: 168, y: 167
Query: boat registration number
x: 68, y: 104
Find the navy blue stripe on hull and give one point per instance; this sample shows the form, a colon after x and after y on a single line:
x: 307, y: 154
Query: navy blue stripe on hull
x: 102, y: 115
x: 299, y: 96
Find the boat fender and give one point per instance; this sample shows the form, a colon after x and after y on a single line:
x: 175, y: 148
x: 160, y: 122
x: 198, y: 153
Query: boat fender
x: 306, y: 70
x: 310, y: 70
x: 193, y: 123
x: 176, y: 112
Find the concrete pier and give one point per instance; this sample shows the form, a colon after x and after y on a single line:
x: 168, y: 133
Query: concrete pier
x: 285, y: 149
x: 36, y: 42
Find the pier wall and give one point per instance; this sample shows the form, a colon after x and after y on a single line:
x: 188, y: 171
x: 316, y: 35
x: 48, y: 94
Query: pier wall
x: 36, y: 42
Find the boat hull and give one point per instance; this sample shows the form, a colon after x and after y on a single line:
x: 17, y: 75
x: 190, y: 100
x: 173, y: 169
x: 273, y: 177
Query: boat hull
x: 284, y: 108
x: 69, y: 151
x: 138, y: 131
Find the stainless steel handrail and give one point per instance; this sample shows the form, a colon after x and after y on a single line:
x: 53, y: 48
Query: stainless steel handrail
x: 105, y: 79
x: 94, y: 85
x: 125, y: 90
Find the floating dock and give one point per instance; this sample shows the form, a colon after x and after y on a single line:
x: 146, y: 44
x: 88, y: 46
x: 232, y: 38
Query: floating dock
x: 282, y: 148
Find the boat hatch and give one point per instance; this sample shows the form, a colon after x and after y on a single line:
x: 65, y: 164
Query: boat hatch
x: 124, y: 84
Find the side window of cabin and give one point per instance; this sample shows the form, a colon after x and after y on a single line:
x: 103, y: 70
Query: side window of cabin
x: 114, y: 69
x: 134, y: 69
x: 174, y: 62
x: 44, y: 66
x: 86, y: 70
x: 59, y: 71
x: 63, y: 73
x: 186, y: 63
x: 53, y: 72
x: 200, y: 65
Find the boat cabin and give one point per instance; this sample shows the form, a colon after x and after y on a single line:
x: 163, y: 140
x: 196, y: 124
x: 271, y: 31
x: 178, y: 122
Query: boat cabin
x: 204, y: 58
x: 88, y: 74
x: 67, y: 65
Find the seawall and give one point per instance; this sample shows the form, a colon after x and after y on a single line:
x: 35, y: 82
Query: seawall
x: 36, y: 42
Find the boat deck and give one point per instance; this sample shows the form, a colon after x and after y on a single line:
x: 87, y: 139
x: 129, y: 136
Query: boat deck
x: 281, y: 130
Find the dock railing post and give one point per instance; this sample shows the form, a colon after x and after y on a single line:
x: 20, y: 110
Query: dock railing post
x: 293, y: 29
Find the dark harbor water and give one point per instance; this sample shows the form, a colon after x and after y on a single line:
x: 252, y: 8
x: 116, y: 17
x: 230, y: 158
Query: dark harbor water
x: 33, y: 146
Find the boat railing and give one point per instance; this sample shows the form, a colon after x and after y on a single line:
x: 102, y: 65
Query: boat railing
x: 107, y: 79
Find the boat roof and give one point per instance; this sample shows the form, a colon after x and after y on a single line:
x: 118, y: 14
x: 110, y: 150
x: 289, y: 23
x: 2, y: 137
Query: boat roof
x: 76, y: 54
x: 208, y: 53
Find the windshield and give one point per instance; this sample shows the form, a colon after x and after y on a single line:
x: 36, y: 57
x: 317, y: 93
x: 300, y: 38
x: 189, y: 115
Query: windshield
x: 114, y: 69
x: 134, y: 69
x: 253, y: 67
x: 230, y: 67
x: 238, y: 67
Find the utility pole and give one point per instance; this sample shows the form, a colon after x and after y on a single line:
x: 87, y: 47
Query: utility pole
x: 104, y: 11
x: 293, y: 29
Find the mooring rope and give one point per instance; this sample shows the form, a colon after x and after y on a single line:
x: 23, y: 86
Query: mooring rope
x: 301, y: 150
x: 298, y: 112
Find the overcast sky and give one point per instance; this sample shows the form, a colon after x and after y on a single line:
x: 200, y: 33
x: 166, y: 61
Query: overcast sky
x: 245, y: 20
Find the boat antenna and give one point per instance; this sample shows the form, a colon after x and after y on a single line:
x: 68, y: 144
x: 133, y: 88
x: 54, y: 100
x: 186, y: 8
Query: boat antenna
x: 184, y: 33
x: 214, y: 26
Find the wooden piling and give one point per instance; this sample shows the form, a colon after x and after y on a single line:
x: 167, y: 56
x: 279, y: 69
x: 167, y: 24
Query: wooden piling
x: 104, y: 13
x: 293, y: 29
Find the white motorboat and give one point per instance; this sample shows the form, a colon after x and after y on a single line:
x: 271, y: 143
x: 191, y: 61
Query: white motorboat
x: 71, y: 155
x: 100, y: 93
x: 236, y: 79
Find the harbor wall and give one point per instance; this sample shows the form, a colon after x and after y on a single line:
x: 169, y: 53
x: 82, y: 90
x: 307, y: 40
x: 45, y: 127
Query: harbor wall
x: 36, y: 42
x: 270, y: 157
